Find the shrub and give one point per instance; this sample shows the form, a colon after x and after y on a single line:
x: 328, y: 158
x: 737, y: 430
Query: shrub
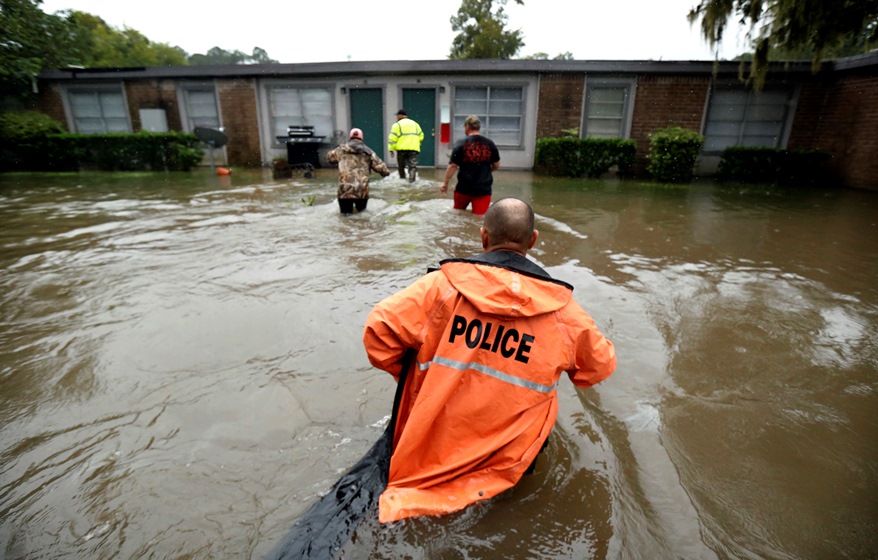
x: 143, y: 151
x: 23, y: 137
x: 578, y: 157
x: 772, y: 165
x: 19, y: 125
x: 672, y: 154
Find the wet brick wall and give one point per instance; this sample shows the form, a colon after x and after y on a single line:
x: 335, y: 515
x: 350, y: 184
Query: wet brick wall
x: 841, y: 117
x: 560, y: 105
x: 662, y: 101
x: 237, y: 100
x: 152, y: 94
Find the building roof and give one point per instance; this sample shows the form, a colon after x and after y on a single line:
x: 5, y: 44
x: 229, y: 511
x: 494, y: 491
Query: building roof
x: 457, y: 67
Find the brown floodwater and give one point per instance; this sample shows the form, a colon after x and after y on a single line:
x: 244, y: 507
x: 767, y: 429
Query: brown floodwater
x: 182, y: 372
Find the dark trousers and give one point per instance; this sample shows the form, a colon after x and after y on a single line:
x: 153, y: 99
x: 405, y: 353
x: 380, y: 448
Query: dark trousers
x: 407, y: 161
x: 346, y: 205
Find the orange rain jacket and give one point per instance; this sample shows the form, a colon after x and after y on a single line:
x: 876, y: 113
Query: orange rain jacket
x: 492, y: 339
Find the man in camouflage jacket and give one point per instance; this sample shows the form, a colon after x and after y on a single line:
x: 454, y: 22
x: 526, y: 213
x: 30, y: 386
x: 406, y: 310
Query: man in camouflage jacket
x: 356, y: 161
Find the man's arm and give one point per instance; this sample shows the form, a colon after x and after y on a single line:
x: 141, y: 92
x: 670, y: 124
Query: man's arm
x: 594, y: 355
x: 378, y: 166
x: 449, y: 173
x: 392, y: 138
x: 396, y: 324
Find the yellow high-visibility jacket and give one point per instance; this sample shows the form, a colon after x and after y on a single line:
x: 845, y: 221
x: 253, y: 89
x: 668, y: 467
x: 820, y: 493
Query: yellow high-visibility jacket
x: 480, y: 398
x: 405, y: 134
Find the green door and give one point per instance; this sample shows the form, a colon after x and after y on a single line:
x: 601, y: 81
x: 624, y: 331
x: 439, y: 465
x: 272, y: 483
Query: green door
x: 367, y: 114
x: 420, y: 104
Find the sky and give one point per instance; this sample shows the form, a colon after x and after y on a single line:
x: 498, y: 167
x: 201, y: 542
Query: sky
x: 373, y: 30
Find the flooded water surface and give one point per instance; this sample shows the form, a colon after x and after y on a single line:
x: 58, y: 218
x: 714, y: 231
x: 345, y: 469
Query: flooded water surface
x: 182, y: 372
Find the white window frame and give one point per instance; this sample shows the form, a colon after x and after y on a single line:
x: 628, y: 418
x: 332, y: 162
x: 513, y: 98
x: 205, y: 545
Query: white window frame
x: 458, y: 116
x: 187, y: 119
x: 781, y: 138
x: 95, y: 89
x: 629, y: 85
x: 273, y: 129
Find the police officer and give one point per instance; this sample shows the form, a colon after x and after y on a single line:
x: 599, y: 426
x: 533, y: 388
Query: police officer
x: 405, y: 139
x: 493, y: 335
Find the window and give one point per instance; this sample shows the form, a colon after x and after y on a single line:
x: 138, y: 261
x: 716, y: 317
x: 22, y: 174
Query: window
x: 606, y: 109
x: 94, y: 111
x: 501, y: 110
x: 300, y: 106
x: 738, y: 117
x: 200, y: 107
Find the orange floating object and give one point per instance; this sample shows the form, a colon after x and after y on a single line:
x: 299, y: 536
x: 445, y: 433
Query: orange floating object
x: 223, y: 171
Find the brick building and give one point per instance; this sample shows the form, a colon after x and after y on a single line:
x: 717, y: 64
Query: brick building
x: 835, y: 109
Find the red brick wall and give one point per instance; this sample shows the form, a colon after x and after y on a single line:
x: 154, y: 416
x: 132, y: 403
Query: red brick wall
x: 842, y: 118
x: 237, y: 99
x: 153, y: 94
x: 663, y: 101
x: 560, y: 104
x: 51, y: 103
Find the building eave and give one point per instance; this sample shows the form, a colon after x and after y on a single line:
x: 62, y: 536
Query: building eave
x: 439, y: 67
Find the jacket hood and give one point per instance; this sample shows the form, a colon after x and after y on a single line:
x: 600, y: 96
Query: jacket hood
x: 356, y: 146
x: 504, y: 289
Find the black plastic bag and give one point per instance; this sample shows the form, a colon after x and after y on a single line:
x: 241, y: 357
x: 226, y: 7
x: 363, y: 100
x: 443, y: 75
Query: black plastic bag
x: 327, y: 525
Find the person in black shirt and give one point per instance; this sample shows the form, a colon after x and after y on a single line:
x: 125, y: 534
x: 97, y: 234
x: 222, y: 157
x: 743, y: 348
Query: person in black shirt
x: 474, y: 158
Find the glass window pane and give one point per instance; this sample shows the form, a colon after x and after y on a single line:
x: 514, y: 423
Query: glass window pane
x: 463, y: 94
x: 85, y: 105
x: 501, y: 110
x: 605, y: 128
x: 112, y: 105
x: 505, y: 107
x: 719, y: 143
x: 201, y: 108
x: 607, y: 95
x: 506, y: 94
x: 504, y: 138
x: 472, y: 107
x: 89, y: 126
x: 723, y: 128
x: 763, y: 129
x: 98, y: 111
x: 116, y: 125
x: 605, y: 111
x: 742, y: 118
x: 301, y: 106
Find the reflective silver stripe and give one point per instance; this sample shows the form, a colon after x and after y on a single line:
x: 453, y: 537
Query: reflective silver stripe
x: 496, y: 374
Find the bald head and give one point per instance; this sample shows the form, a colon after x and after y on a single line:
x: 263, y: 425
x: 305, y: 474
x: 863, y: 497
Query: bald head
x: 509, y: 225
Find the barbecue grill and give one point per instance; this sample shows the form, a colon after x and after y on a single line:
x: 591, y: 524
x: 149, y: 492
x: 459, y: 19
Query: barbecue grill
x: 301, y: 146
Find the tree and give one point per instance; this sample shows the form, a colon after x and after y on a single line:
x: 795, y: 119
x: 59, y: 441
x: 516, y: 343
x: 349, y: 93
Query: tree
x: 217, y: 55
x: 101, y: 46
x: 30, y: 40
x: 543, y: 56
x: 259, y: 56
x: 820, y: 28
x: 481, y: 31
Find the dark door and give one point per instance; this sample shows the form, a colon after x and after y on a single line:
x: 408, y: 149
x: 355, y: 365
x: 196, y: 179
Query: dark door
x: 420, y: 104
x: 367, y: 114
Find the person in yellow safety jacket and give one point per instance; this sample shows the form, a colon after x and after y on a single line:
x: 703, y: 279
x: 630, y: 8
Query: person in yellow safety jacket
x: 493, y: 333
x: 405, y: 139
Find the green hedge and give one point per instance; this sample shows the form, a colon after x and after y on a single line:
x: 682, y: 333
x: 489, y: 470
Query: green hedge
x: 672, y: 154
x: 143, y: 151
x: 772, y: 165
x: 16, y: 125
x: 583, y: 157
